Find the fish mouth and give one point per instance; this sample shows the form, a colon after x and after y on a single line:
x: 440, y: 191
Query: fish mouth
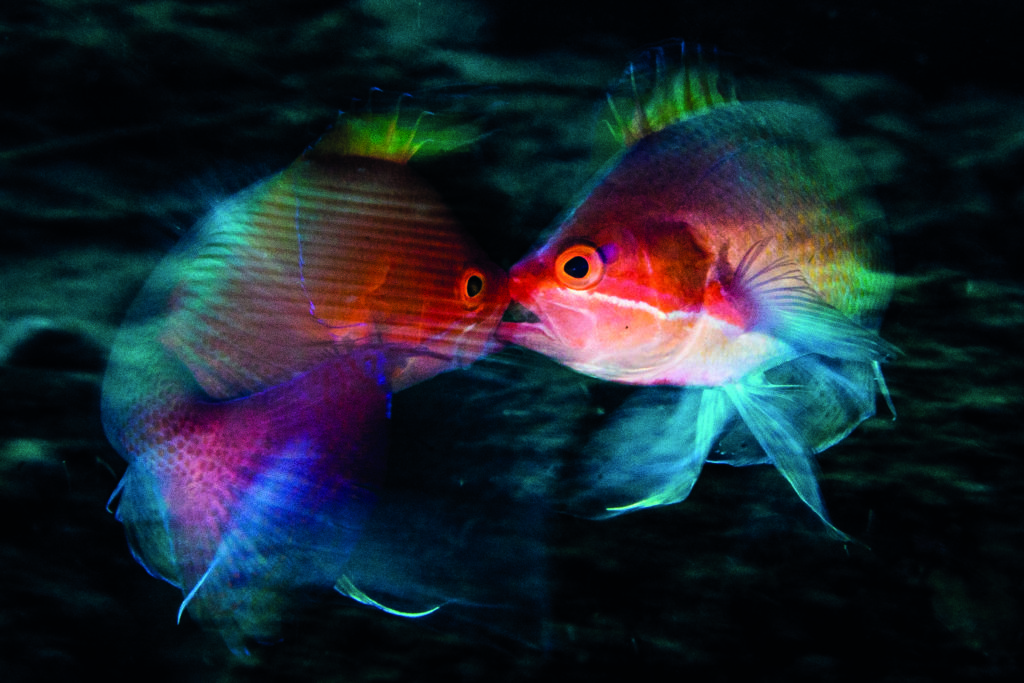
x: 518, y: 313
x: 521, y: 326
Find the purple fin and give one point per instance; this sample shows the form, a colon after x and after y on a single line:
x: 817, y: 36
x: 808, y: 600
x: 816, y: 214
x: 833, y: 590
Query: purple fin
x: 286, y: 532
x: 266, y: 497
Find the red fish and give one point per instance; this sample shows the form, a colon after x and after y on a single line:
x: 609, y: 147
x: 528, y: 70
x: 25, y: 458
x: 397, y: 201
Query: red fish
x: 248, y: 390
x: 728, y: 249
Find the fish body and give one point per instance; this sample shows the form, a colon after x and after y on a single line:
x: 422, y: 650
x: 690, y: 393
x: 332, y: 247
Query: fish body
x: 728, y: 250
x: 249, y: 387
x: 337, y: 252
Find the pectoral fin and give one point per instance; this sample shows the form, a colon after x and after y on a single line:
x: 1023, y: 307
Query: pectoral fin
x: 790, y: 309
x: 287, y: 530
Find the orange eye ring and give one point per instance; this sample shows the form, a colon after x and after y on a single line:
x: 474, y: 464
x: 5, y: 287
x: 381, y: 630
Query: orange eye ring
x: 579, y: 266
x: 471, y: 287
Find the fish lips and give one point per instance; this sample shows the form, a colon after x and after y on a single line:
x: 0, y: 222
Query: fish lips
x: 518, y: 323
x: 526, y: 327
x: 518, y: 313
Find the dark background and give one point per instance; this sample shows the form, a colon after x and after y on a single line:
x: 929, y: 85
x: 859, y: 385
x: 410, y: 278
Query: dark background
x: 121, y: 123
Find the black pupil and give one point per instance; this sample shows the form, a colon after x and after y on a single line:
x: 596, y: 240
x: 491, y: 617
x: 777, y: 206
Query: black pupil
x: 474, y: 285
x: 576, y: 267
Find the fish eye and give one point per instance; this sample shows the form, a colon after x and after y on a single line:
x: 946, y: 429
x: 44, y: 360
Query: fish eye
x: 471, y: 288
x: 579, y: 266
x: 576, y: 267
x: 474, y: 285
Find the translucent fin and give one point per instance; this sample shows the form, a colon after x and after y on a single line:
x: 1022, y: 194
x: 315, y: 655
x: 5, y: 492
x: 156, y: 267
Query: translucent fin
x: 287, y: 532
x: 738, y: 447
x: 771, y: 413
x: 826, y: 399
x: 884, y: 388
x: 788, y: 307
x: 396, y: 136
x: 650, y: 453
x: 448, y: 545
x: 143, y: 512
x: 346, y: 587
x: 653, y: 447
x: 663, y: 87
x: 835, y: 396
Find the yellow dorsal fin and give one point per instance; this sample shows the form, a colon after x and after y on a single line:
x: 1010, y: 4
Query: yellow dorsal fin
x: 394, y: 136
x: 657, y: 96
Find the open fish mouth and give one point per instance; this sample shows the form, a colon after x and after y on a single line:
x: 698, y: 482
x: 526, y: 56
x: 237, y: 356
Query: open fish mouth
x: 521, y: 326
x: 518, y: 313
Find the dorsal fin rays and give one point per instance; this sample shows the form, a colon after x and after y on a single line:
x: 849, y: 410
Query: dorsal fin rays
x: 658, y: 95
x: 393, y: 136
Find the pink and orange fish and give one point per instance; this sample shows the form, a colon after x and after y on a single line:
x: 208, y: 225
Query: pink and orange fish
x: 729, y: 250
x: 249, y: 388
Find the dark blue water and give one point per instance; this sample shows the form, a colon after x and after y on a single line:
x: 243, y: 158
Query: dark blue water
x: 121, y: 123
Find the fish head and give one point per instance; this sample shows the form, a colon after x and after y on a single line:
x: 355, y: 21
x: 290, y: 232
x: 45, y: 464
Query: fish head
x: 614, y: 292
x: 446, y: 299
x: 401, y: 277
x: 430, y: 296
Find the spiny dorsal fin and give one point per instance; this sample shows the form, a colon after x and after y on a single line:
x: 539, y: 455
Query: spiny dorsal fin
x: 655, y: 95
x: 394, y: 136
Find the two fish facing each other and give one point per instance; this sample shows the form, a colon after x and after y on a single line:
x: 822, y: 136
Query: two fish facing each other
x: 725, y: 251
